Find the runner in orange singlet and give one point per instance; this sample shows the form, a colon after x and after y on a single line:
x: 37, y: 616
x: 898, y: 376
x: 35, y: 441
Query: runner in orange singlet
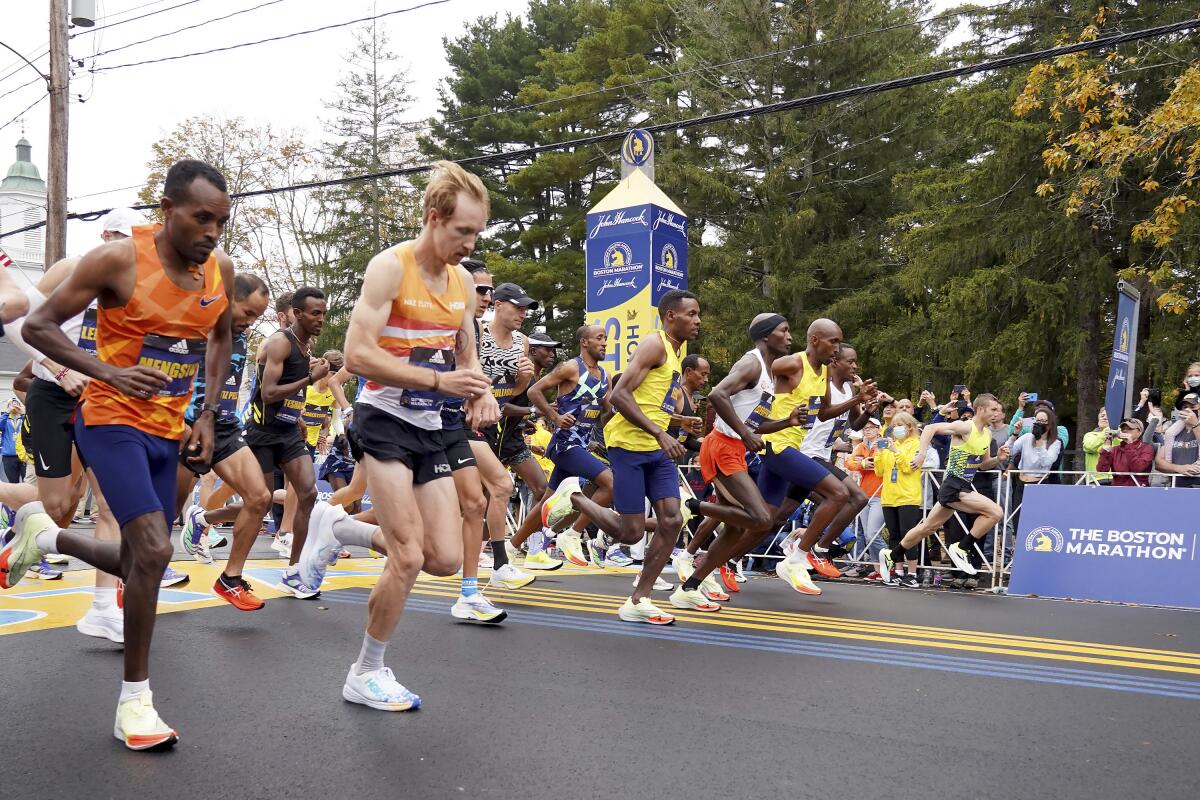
x: 164, y: 313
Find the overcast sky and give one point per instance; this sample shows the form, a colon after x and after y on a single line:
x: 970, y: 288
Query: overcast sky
x: 283, y: 83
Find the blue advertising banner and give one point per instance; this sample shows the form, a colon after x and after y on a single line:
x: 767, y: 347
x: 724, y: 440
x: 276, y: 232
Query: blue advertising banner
x: 1122, y: 544
x: 634, y: 255
x: 1120, y: 371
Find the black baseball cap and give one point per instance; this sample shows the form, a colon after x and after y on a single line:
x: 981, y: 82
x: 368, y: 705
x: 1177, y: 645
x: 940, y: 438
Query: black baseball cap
x: 512, y: 293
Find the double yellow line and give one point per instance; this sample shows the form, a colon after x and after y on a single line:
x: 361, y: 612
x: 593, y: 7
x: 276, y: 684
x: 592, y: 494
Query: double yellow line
x: 801, y: 624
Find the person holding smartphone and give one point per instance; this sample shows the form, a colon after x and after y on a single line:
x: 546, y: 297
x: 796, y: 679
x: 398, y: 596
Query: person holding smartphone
x: 1125, y: 452
x: 1179, y: 455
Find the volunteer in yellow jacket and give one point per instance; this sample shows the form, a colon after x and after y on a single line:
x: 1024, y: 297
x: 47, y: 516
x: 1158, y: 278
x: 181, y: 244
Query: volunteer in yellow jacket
x: 900, y: 493
x: 970, y: 444
x: 643, y: 454
x: 319, y: 400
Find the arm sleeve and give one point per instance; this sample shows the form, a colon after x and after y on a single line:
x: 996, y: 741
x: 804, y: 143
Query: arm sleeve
x: 1018, y: 415
x: 13, y: 329
x: 1151, y: 429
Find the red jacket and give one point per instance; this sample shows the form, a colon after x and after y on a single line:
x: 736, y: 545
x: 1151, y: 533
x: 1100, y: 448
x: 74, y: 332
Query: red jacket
x: 1134, y: 457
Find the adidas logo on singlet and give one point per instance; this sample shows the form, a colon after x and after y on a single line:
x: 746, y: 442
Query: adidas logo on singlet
x: 437, y: 358
x: 180, y: 347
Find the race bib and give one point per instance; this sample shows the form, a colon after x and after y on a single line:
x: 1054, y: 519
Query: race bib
x: 87, y: 332
x: 674, y: 395
x: 436, y: 360
x: 761, y: 412
x: 314, y: 415
x: 504, y: 390
x: 179, y: 359
x: 291, y: 409
x: 229, y: 396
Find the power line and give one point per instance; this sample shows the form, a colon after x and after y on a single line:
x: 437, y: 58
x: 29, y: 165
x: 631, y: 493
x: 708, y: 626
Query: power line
x: 725, y: 116
x: 414, y: 127
x: 272, y: 38
x: 22, y: 113
x: 19, y: 88
x: 98, y: 28
x: 188, y: 28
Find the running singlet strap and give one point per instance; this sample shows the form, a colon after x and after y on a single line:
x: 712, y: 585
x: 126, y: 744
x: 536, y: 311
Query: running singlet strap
x: 163, y: 327
x: 752, y: 405
x: 809, y: 393
x: 500, y: 364
x: 819, y: 441
x: 284, y: 414
x: 231, y: 389
x: 964, y: 459
x: 658, y: 396
x: 585, y: 404
x: 422, y: 330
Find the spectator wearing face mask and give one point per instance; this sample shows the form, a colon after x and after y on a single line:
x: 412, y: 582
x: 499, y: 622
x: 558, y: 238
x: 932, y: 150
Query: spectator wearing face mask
x: 1034, y: 455
x: 1126, y: 452
x: 901, y: 487
x: 868, y: 526
x: 1191, y: 384
x: 1021, y: 424
x: 1178, y: 455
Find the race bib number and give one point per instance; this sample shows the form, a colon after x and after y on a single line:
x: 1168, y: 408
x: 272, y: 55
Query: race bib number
x: 673, y: 396
x: 291, y: 409
x: 178, y: 359
x: 761, y: 412
x: 427, y: 399
x: 87, y: 332
x: 229, y: 396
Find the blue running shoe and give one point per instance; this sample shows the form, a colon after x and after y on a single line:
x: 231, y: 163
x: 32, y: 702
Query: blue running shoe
x: 172, y: 578
x: 44, y: 572
x: 193, y: 538
x: 291, y: 583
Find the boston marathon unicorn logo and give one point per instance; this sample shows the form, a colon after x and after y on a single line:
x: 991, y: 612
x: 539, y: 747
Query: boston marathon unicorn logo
x: 1045, y: 539
x: 638, y: 148
x: 1124, y: 345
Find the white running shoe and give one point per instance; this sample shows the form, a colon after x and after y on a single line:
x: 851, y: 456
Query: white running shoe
x: 194, y: 536
x: 106, y: 623
x: 477, y: 608
x: 379, y: 689
x: 659, y: 584
x: 683, y: 564
x: 541, y: 560
x: 644, y: 611
x: 139, y: 726
x: 55, y: 558
x: 321, y: 548
x: 711, y: 588
x: 282, y: 544
x: 797, y: 577
x: 509, y: 577
x: 961, y: 558
x: 694, y: 599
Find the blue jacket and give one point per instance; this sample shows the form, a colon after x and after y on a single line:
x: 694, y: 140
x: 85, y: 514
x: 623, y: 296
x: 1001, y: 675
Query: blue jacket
x: 8, y: 435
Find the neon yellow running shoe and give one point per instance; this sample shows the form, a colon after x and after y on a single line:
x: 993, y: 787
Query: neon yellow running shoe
x: 139, y: 726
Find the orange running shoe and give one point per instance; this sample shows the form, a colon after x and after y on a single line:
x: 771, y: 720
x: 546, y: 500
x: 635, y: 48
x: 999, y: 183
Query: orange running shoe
x: 238, y: 593
x: 729, y: 578
x: 823, y: 566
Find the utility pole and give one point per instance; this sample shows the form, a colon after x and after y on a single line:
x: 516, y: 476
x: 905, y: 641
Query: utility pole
x: 56, y: 184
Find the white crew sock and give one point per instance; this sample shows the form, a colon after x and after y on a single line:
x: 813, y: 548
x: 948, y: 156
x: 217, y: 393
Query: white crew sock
x: 536, y: 542
x: 353, y: 531
x: 47, y: 540
x: 104, y: 597
x: 638, y: 551
x: 797, y: 556
x: 131, y: 689
x: 370, y: 658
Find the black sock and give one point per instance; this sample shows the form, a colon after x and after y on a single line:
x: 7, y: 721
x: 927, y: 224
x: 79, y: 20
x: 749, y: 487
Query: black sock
x: 230, y: 581
x: 692, y: 583
x: 835, y: 551
x: 898, y: 552
x: 499, y: 554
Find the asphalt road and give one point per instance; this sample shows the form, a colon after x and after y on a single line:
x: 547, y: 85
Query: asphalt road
x: 865, y: 691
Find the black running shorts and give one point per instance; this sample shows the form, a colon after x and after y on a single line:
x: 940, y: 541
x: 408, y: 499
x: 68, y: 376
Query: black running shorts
x: 50, y: 415
x: 273, y: 449
x: 458, y: 449
x: 507, y: 441
x: 386, y: 438
x: 229, y: 440
x: 952, y: 489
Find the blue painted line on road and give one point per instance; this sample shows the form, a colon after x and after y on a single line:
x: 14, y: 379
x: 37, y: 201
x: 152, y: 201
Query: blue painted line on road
x: 1113, y: 681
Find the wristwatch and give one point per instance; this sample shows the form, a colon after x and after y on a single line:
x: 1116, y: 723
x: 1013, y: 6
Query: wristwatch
x: 213, y: 407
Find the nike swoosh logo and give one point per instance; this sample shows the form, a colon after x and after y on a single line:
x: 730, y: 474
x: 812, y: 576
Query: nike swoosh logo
x: 462, y: 461
x: 41, y: 460
x: 205, y: 302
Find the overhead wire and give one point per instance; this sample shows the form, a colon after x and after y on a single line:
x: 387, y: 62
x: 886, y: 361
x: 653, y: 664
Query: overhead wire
x: 185, y: 28
x: 280, y: 38
x: 808, y: 101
